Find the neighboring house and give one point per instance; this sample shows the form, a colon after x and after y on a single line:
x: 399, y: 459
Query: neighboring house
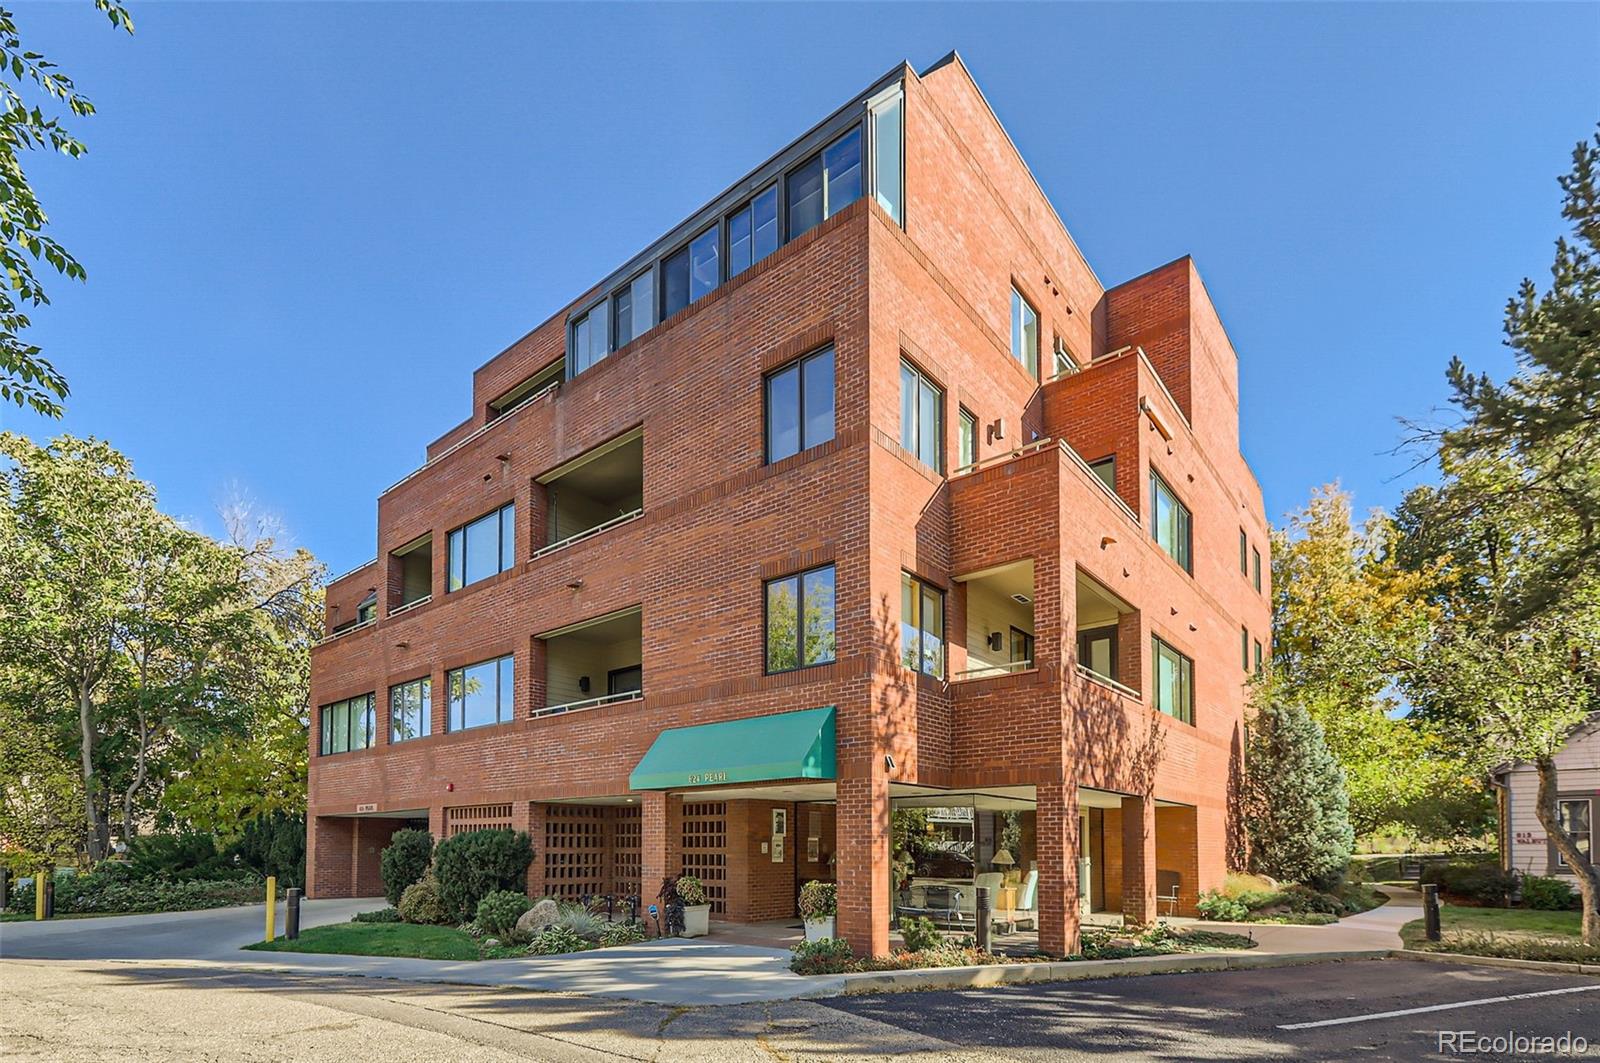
x: 855, y: 491
x: 1524, y: 844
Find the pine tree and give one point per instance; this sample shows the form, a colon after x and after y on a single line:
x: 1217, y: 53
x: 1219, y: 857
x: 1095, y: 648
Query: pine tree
x: 1297, y: 811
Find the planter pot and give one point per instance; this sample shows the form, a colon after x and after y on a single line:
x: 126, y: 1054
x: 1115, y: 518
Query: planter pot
x: 696, y: 920
x: 817, y: 929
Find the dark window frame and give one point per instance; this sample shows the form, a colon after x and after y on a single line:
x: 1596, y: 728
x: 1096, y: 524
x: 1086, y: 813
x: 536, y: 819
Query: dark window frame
x: 507, y: 702
x: 799, y: 620
x: 424, y: 685
x: 611, y: 680
x: 967, y: 431
x: 500, y: 547
x: 1255, y: 563
x: 799, y: 364
x: 1558, y: 864
x: 1157, y: 644
x: 1095, y: 634
x: 325, y: 725
x: 774, y: 187
x: 1094, y: 467
x: 920, y: 587
x: 1157, y: 481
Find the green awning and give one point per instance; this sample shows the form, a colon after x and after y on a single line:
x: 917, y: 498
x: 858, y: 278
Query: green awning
x: 789, y: 745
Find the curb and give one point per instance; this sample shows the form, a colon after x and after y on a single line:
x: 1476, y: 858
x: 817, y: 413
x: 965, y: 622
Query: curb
x: 977, y: 977
x: 1554, y: 966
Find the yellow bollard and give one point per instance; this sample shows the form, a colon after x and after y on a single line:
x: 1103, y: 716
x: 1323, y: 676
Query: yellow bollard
x: 38, y: 896
x: 272, y: 904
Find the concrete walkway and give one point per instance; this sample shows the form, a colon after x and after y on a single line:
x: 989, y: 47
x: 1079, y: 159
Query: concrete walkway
x: 675, y: 971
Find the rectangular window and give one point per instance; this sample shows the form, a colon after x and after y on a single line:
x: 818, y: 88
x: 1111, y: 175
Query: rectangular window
x: 799, y: 401
x: 800, y: 620
x: 484, y: 548
x: 969, y: 438
x: 1106, y: 470
x: 625, y: 680
x: 1025, y: 333
x: 1021, y: 647
x: 887, y: 158
x: 1255, y: 568
x: 411, y: 710
x: 753, y: 232
x: 921, y: 626
x: 921, y: 417
x: 1170, y: 523
x: 347, y: 725
x: 1258, y: 655
x: 630, y: 311
x: 1576, y: 820
x: 1097, y: 650
x: 1244, y: 648
x: 689, y: 273
x: 481, y: 694
x: 1244, y: 552
x: 590, y: 339
x: 825, y: 184
x: 1174, y: 682
x: 1063, y: 364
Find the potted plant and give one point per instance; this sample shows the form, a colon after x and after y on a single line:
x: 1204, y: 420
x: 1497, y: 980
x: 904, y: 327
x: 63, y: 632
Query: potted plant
x: 696, y: 909
x: 819, y: 904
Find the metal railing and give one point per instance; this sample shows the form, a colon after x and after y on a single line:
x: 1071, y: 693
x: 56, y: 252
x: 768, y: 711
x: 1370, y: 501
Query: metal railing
x: 362, y: 626
x: 991, y: 671
x: 588, y: 703
x: 415, y: 603
x: 999, y: 459
x: 1104, y: 680
x: 560, y: 544
x: 470, y: 436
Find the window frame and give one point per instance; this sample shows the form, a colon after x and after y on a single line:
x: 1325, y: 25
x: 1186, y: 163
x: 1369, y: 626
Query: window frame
x: 424, y: 685
x: 1019, y: 328
x: 613, y: 673
x: 1257, y: 643
x: 748, y: 206
x: 500, y: 547
x: 1558, y: 862
x: 1088, y: 635
x: 923, y: 380
x: 1244, y: 552
x: 1157, y: 481
x: 798, y: 578
x: 1094, y: 467
x: 799, y: 365
x: 1244, y: 648
x: 966, y: 438
x: 1157, y: 644
x: 921, y: 588
x: 1255, y: 568
x: 1029, y: 645
x: 507, y: 702
x: 856, y: 129
x: 1059, y: 353
x: 325, y: 717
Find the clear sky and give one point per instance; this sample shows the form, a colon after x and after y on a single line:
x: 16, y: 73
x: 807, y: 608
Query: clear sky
x: 306, y: 224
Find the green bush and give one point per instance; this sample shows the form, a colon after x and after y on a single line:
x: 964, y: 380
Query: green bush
x: 499, y: 911
x: 274, y: 844
x: 1220, y: 908
x: 113, y: 890
x: 382, y: 915
x: 185, y: 855
x: 404, y: 861
x: 421, y: 903
x: 621, y: 934
x: 1548, y: 894
x: 556, y: 939
x: 828, y: 956
x: 1513, y: 947
x: 1297, y: 809
x: 475, y: 863
x: 1305, y: 899
x: 920, y: 934
x: 580, y: 921
x: 691, y: 891
x: 1474, y: 881
x: 819, y: 900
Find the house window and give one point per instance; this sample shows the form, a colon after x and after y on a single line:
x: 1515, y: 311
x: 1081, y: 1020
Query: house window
x: 753, y: 232
x: 411, y: 710
x: 1244, y: 552
x: 921, y: 420
x: 825, y: 184
x: 921, y: 626
x: 1244, y: 648
x: 480, y: 694
x: 1170, y: 523
x: 630, y: 311
x: 1106, y: 470
x: 1174, y: 682
x: 1021, y: 646
x: 625, y: 680
x: 347, y: 725
x: 1258, y: 655
x: 590, y: 340
x: 367, y: 609
x: 1062, y: 362
x: 888, y: 163
x: 800, y: 405
x: 693, y: 271
x: 1575, y: 819
x: 1097, y: 650
x: 1255, y: 568
x: 1024, y: 333
x: 969, y: 438
x: 483, y: 548
x: 800, y: 620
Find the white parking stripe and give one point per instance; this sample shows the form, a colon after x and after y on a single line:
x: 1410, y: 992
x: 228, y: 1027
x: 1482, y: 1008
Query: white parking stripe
x: 1439, y: 1007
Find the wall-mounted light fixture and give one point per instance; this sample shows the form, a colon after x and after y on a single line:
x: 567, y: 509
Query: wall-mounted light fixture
x: 995, y: 639
x: 583, y: 684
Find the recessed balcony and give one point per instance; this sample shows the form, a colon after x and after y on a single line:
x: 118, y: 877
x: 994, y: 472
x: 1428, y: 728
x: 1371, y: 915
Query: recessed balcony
x: 594, y: 492
x: 411, y: 575
x: 593, y: 663
x: 1000, y: 621
x: 1107, y: 637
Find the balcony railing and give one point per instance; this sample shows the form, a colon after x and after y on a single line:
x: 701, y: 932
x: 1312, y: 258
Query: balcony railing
x: 415, y: 603
x: 588, y: 703
x: 1104, y: 680
x: 346, y: 631
x: 561, y: 544
x: 990, y: 671
x: 1000, y: 459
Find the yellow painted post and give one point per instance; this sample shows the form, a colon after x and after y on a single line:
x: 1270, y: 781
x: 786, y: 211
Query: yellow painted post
x: 38, y: 896
x: 272, y: 904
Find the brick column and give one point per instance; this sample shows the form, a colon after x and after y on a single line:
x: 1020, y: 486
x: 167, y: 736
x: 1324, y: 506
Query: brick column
x: 1058, y: 841
x: 436, y: 823
x: 660, y: 842
x: 519, y: 822
x: 862, y: 831
x: 1139, y: 860
x: 330, y: 857
x: 536, y: 831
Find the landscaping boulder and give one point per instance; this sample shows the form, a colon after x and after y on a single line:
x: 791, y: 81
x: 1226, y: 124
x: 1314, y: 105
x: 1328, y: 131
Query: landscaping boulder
x: 543, y: 913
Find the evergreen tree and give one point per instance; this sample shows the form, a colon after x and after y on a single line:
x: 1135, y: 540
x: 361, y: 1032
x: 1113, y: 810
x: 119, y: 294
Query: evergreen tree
x: 1297, y: 812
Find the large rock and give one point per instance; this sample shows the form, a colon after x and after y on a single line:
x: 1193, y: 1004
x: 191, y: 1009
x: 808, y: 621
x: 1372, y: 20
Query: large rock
x: 543, y: 913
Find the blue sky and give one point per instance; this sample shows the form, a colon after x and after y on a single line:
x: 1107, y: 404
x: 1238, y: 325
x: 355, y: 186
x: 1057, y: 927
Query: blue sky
x: 306, y: 224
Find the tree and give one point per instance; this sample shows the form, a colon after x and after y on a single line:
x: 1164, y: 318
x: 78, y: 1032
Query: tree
x: 39, y: 790
x: 25, y: 377
x: 1295, y: 805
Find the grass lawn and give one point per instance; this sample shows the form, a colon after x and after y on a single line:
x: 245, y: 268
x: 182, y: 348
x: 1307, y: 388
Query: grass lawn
x: 1515, y: 933
x: 379, y: 939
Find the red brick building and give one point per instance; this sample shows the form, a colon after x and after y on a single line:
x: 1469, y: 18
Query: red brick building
x: 856, y: 493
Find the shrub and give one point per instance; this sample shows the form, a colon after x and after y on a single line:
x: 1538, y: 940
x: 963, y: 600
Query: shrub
x: 274, y: 844
x: 114, y: 890
x: 691, y: 891
x: 920, y: 934
x: 1547, y: 894
x: 819, y: 900
x: 185, y: 855
x: 1514, y: 947
x: 581, y: 921
x: 1305, y: 899
x: 556, y: 939
x: 828, y: 956
x: 421, y: 903
x: 382, y: 915
x: 621, y: 934
x: 1473, y: 881
x: 475, y: 863
x: 1297, y: 808
x: 499, y: 911
x: 1220, y: 908
x: 404, y: 861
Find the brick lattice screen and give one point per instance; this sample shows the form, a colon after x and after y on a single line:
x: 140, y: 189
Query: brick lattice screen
x: 705, y: 849
x: 476, y: 817
x: 575, y: 850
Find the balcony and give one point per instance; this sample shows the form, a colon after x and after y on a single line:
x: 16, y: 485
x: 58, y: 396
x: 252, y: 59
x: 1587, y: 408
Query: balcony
x: 1108, y: 642
x: 411, y: 575
x: 1000, y: 624
x: 594, y: 492
x: 537, y: 386
x: 593, y: 663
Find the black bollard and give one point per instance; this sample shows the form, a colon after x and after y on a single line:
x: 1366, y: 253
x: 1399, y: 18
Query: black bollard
x: 291, y: 913
x: 1430, y: 911
x: 981, y: 910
